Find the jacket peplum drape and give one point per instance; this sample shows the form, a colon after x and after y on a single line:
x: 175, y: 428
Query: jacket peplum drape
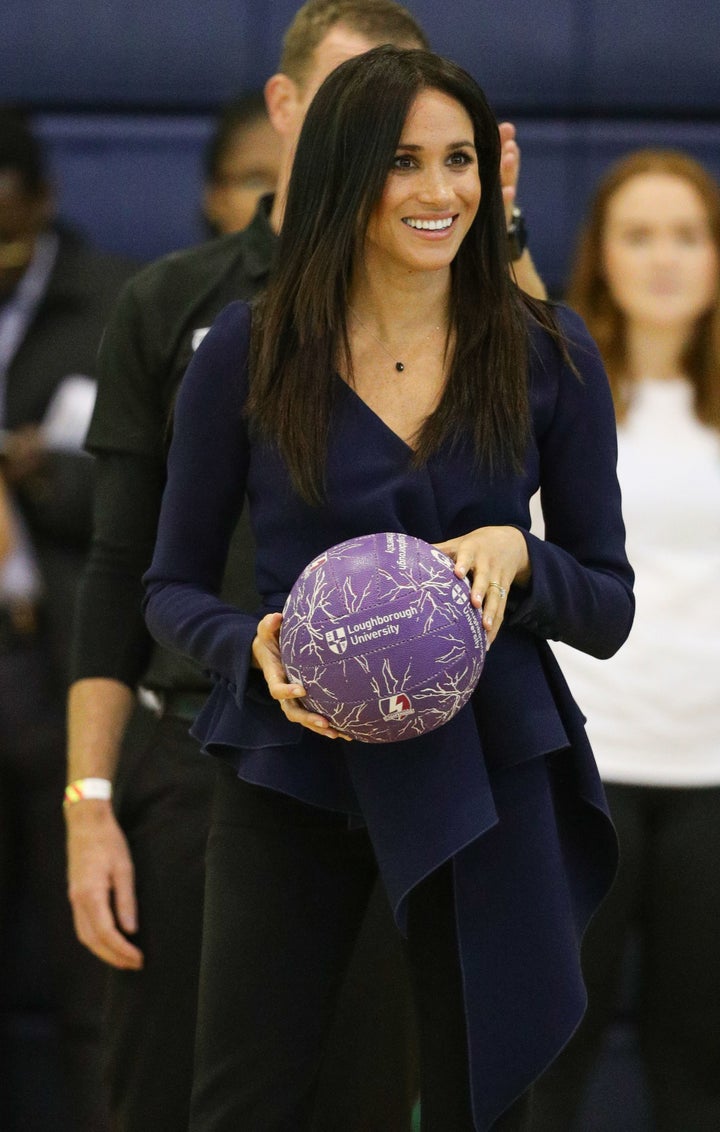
x: 508, y: 790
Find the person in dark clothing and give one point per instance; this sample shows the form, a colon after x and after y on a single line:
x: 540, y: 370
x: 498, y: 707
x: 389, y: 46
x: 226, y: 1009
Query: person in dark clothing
x: 136, y: 874
x: 392, y: 378
x: 56, y: 294
x: 242, y: 163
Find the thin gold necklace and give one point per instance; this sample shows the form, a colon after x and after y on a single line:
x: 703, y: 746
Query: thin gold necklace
x: 399, y: 366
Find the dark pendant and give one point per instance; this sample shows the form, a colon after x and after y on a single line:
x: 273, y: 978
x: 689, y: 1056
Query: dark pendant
x: 399, y: 367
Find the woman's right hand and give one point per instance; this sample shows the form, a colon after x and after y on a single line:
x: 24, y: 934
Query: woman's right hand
x: 266, y: 657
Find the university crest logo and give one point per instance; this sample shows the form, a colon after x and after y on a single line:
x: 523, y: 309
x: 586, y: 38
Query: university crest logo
x: 337, y: 641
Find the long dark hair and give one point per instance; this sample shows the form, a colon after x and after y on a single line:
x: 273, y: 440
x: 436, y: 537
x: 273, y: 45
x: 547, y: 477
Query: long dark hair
x: 343, y: 157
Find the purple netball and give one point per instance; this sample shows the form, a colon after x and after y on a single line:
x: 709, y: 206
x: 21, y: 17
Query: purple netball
x: 383, y: 637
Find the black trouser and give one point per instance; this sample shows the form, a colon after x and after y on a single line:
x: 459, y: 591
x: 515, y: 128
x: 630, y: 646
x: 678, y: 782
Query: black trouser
x: 164, y: 793
x: 667, y: 889
x: 51, y: 987
x: 287, y: 887
x: 163, y: 800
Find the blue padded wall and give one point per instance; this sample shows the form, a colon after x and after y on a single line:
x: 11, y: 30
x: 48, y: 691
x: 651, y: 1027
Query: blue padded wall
x: 125, y: 92
x: 132, y: 183
x: 567, y: 56
x: 129, y: 52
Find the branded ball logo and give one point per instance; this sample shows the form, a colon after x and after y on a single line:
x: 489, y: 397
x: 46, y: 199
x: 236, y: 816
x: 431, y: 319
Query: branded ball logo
x: 396, y: 707
x: 317, y: 562
x: 337, y: 640
x: 383, y: 637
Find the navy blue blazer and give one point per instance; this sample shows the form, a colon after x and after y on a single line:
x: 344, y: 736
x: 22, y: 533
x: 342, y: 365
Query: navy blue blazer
x: 508, y: 790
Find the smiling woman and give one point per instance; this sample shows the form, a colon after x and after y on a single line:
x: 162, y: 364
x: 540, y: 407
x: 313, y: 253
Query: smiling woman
x: 423, y: 148
x: 430, y: 199
x: 393, y: 378
x: 433, y: 189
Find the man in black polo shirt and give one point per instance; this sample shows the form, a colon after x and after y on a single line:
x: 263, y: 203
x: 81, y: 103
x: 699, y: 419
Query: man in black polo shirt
x: 136, y: 882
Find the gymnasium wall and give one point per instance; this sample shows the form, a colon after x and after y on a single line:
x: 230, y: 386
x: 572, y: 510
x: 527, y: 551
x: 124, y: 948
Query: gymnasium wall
x: 124, y: 94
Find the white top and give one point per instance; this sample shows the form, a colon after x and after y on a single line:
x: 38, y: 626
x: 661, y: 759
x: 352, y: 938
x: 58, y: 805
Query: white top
x: 653, y: 710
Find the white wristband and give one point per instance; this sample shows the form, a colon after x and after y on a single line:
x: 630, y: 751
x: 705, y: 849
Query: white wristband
x: 82, y: 788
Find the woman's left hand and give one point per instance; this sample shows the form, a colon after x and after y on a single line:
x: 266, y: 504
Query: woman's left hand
x: 493, y: 558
